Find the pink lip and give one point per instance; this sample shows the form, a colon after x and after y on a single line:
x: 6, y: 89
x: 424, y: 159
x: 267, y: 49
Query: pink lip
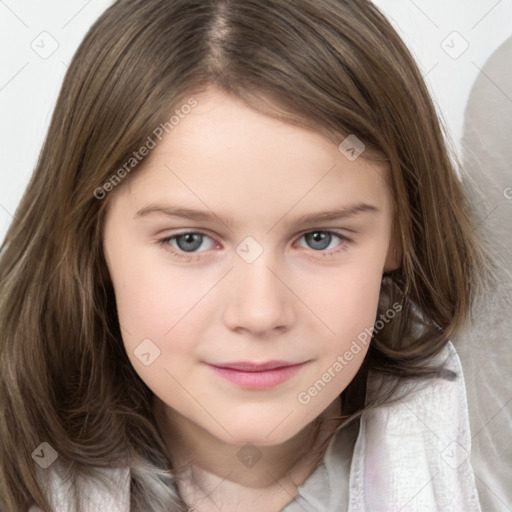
x: 257, y: 375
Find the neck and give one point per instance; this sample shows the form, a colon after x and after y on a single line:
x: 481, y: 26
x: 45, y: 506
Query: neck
x: 203, y: 461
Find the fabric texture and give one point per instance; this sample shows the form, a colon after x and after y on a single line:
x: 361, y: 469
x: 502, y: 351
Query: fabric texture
x: 414, y: 456
x: 485, y: 346
x: 410, y: 456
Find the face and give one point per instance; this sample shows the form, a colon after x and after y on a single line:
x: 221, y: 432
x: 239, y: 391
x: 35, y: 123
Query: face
x: 240, y: 294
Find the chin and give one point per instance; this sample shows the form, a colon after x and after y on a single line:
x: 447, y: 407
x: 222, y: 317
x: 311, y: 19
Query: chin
x: 263, y: 432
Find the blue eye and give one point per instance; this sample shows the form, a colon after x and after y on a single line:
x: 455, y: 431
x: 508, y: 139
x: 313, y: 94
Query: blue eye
x: 189, y: 242
x: 321, y: 240
x: 186, y: 245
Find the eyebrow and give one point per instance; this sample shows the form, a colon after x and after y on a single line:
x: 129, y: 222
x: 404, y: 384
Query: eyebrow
x: 229, y: 221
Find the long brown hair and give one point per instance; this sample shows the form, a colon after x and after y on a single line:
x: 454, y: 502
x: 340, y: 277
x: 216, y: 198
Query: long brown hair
x: 334, y: 66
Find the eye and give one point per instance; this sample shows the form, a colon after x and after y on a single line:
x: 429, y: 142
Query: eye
x: 184, y: 243
x: 320, y: 240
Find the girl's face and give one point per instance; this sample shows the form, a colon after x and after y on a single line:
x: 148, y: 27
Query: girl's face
x: 246, y: 258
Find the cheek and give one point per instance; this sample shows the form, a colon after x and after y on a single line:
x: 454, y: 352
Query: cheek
x: 358, y: 299
x: 348, y: 310
x: 157, y: 306
x: 159, y: 324
x: 345, y: 300
x: 154, y: 298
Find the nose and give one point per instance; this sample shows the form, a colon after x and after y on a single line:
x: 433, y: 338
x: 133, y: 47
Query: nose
x: 259, y: 300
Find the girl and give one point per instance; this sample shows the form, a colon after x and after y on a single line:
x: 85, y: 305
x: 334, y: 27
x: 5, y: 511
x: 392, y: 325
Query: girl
x: 296, y: 356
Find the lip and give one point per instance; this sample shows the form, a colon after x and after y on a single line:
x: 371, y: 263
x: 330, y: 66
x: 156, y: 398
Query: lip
x: 251, y: 375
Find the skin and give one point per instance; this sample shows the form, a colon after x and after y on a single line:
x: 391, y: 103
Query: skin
x: 298, y: 301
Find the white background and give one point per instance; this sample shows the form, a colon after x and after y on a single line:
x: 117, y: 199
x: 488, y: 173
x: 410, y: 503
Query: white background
x: 29, y: 84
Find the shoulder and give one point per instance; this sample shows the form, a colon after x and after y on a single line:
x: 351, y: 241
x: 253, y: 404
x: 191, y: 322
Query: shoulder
x: 415, y: 452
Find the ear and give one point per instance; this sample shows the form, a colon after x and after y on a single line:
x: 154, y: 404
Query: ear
x: 393, y: 257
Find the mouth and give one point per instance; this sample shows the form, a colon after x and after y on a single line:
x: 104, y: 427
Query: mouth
x: 251, y: 375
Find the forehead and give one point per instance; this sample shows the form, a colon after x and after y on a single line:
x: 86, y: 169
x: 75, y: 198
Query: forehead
x: 227, y: 153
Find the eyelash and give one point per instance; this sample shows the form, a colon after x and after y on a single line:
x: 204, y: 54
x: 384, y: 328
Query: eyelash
x: 164, y: 242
